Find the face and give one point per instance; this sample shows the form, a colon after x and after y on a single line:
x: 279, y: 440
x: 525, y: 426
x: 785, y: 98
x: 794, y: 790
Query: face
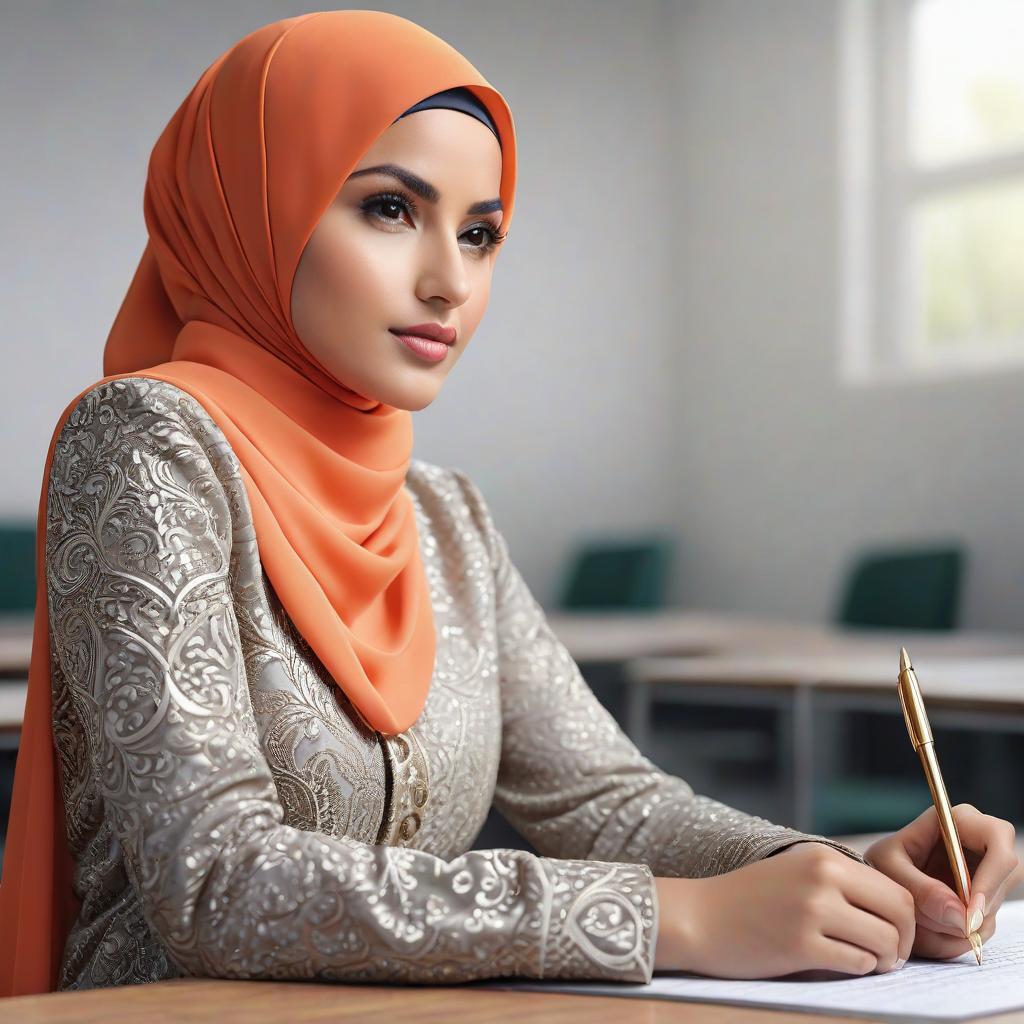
x: 383, y: 257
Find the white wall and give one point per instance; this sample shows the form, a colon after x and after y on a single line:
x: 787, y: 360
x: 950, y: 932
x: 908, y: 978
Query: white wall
x: 566, y: 379
x: 661, y: 343
x: 785, y: 471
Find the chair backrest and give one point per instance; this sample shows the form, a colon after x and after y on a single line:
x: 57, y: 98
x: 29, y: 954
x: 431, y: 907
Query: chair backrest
x: 908, y: 588
x: 624, y: 574
x: 17, y: 567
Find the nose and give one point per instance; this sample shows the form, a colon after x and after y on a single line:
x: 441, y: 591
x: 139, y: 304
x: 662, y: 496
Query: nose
x: 443, y: 271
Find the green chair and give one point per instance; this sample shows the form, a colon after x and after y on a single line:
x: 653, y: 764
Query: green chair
x: 911, y: 588
x: 622, y: 574
x: 17, y: 567
x: 17, y: 596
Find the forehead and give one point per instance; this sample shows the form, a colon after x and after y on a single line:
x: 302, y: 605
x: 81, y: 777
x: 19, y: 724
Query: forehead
x: 439, y: 141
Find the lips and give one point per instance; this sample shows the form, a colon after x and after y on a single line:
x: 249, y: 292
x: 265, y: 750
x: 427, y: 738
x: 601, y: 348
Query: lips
x: 435, y: 332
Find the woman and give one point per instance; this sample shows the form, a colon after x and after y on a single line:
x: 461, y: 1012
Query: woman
x: 286, y: 668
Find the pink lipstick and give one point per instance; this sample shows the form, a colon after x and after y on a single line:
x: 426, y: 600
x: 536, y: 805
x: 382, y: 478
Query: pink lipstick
x: 429, y: 341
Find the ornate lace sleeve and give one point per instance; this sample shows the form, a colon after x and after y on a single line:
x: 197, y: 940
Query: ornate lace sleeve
x: 139, y: 541
x: 572, y: 782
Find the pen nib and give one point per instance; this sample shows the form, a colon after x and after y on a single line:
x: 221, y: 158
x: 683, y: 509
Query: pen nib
x: 975, y: 941
x: 904, y: 660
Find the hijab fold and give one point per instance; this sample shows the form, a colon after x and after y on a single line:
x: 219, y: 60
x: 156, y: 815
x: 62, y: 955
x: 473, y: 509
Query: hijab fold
x: 236, y: 184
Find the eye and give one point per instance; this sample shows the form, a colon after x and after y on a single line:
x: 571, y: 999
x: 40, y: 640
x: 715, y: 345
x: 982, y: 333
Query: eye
x: 389, y: 202
x: 492, y: 237
x: 389, y: 207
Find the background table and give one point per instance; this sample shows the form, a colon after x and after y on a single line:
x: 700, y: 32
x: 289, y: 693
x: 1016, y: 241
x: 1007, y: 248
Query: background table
x: 984, y: 693
x: 617, y: 636
x: 969, y: 678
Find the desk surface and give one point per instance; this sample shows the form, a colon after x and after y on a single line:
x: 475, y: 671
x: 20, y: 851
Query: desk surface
x: 15, y: 644
x: 12, y: 705
x: 256, y: 1002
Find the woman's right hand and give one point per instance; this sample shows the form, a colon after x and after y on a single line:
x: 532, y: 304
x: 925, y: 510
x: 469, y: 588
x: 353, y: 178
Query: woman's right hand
x: 808, y: 907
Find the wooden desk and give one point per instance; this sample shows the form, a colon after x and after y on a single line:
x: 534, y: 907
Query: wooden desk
x: 271, y: 1002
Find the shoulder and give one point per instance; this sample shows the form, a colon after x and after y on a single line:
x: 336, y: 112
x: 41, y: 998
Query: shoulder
x: 448, y: 485
x: 143, y: 409
x: 138, y: 446
x: 449, y: 494
x: 120, y: 421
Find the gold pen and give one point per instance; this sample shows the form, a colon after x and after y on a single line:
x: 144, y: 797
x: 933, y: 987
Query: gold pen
x: 921, y: 737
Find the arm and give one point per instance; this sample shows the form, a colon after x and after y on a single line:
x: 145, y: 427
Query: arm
x: 139, y: 543
x: 572, y: 782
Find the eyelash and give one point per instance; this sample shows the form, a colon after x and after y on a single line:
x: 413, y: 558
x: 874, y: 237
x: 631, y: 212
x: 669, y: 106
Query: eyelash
x: 494, y: 236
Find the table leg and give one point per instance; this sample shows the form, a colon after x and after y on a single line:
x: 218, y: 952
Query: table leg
x: 803, y: 757
x: 638, y: 713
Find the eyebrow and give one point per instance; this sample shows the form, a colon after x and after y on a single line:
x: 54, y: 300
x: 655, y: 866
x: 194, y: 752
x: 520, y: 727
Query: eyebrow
x: 423, y: 188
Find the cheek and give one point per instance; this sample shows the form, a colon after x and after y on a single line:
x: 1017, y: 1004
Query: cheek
x: 353, y: 274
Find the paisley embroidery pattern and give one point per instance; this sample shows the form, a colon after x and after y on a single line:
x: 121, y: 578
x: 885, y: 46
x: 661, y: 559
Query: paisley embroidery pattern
x: 229, y: 812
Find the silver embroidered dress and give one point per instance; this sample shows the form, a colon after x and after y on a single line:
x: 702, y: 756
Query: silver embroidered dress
x: 231, y: 815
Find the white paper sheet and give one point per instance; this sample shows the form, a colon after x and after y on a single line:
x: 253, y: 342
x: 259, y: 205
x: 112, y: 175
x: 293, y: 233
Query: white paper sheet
x: 922, y: 991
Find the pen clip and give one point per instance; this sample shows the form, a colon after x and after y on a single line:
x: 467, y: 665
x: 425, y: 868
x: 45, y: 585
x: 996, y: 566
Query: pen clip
x: 913, y: 707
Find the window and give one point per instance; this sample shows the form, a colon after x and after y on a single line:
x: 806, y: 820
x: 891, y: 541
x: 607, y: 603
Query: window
x: 932, y: 116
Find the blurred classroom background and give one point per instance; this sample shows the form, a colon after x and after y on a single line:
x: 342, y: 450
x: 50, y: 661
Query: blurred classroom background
x: 747, y: 398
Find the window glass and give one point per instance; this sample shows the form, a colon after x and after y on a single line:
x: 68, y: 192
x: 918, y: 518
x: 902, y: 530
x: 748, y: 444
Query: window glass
x: 966, y: 78
x: 969, y: 251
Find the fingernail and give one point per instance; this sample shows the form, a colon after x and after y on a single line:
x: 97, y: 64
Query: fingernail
x: 898, y: 965
x: 953, y: 915
x: 977, y: 915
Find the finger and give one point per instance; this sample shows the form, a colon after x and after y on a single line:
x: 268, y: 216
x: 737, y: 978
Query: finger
x: 887, y: 901
x: 897, y: 857
x: 939, y: 905
x: 995, y: 839
x: 919, y: 837
x: 936, y: 905
x: 1000, y: 896
x: 835, y: 955
x: 991, y: 908
x: 927, y: 921
x: 933, y: 946
x: 942, y: 947
x: 878, y: 935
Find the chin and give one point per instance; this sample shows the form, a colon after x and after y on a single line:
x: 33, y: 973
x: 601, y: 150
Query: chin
x: 410, y: 399
x: 415, y: 405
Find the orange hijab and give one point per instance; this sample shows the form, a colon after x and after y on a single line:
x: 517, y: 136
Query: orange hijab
x: 237, y: 182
